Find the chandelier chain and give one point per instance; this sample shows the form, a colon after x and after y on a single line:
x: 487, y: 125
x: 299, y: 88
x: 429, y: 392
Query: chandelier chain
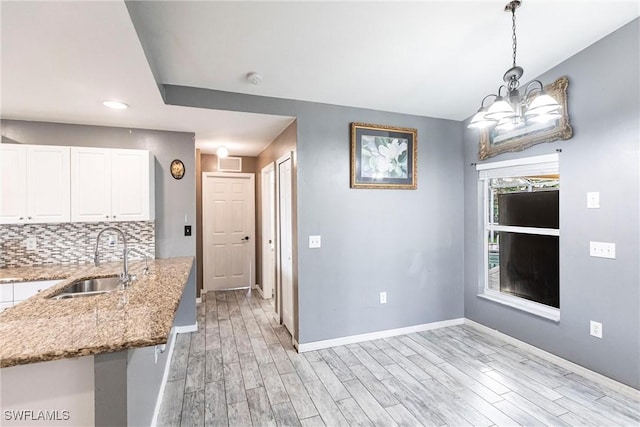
x: 513, y: 37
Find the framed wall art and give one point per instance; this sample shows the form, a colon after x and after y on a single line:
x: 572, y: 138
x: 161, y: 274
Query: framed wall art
x: 383, y: 157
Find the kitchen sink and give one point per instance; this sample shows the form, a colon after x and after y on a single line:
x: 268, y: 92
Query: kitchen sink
x: 89, y: 286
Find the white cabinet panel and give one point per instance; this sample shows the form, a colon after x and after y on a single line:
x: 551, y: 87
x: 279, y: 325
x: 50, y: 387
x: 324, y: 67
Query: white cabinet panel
x: 24, y: 290
x: 6, y: 292
x: 90, y: 184
x: 13, y: 183
x: 112, y: 185
x: 48, y: 182
x: 35, y: 184
x: 132, y: 185
x: 5, y: 305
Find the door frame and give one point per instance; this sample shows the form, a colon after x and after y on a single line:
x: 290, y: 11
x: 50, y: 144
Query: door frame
x: 289, y: 156
x: 252, y: 223
x: 268, y: 214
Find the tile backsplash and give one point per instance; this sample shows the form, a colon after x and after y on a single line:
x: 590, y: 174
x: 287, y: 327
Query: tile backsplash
x: 72, y: 243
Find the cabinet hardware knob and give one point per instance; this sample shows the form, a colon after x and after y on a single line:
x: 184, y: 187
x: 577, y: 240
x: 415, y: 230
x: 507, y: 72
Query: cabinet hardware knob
x: 28, y: 217
x: 21, y: 218
x: 107, y: 216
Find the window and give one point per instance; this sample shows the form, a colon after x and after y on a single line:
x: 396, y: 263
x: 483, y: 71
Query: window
x: 521, y: 234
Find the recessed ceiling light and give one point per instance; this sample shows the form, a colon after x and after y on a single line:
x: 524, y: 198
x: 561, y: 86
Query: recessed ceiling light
x: 222, y: 152
x: 116, y: 105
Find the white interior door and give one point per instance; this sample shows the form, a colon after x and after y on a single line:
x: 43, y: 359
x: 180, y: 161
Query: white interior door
x: 268, y: 231
x: 228, y: 230
x: 285, y: 239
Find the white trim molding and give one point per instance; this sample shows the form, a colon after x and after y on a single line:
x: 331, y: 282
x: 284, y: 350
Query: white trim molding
x: 525, y: 305
x: 165, y: 378
x: 545, y: 158
x: 259, y: 289
x: 186, y: 328
x: 573, y: 367
x: 352, y: 339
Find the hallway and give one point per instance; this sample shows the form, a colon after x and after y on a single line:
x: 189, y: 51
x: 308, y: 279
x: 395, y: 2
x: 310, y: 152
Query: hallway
x: 240, y: 369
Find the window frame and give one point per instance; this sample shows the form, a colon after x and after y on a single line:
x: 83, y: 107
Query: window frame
x: 511, y: 168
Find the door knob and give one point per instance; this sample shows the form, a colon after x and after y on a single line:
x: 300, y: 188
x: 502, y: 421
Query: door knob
x: 245, y: 238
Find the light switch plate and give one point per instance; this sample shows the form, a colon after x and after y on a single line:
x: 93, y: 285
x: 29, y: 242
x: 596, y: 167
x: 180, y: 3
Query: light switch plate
x: 602, y: 250
x: 314, y: 242
x: 595, y: 329
x: 593, y: 200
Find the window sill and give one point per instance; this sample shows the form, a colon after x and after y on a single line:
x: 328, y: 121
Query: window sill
x: 531, y: 307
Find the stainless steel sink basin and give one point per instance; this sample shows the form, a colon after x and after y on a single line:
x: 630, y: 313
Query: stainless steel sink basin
x: 89, y: 286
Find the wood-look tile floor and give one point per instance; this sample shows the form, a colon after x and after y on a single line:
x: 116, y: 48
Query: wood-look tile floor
x: 240, y: 369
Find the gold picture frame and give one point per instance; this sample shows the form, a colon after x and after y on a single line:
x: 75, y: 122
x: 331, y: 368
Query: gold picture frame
x: 384, y: 157
x: 493, y: 142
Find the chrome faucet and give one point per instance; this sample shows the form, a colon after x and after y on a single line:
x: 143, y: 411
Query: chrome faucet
x: 125, y: 278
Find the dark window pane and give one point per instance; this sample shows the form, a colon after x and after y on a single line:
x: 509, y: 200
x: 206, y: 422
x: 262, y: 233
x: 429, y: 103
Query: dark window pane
x: 529, y: 209
x: 529, y: 267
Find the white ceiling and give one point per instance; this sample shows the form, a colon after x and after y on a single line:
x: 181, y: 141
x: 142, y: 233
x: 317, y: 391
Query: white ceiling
x: 60, y: 60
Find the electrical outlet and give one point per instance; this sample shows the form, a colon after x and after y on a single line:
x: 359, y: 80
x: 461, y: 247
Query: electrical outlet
x: 593, y: 200
x: 187, y: 230
x: 32, y: 243
x: 596, y: 329
x: 383, y: 297
x: 314, y: 242
x: 602, y: 250
x: 113, y: 240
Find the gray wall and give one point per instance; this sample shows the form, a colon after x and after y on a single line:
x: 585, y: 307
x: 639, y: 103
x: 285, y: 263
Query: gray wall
x: 174, y: 198
x: 602, y: 156
x: 408, y: 243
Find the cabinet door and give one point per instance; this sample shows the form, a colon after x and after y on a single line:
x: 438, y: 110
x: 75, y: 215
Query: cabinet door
x: 13, y: 183
x: 6, y: 292
x: 131, y: 183
x: 48, y: 184
x: 24, y: 290
x: 90, y: 184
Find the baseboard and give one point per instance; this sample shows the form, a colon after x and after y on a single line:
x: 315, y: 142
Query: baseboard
x: 259, y: 289
x: 186, y: 328
x: 165, y: 377
x: 573, y: 367
x: 352, y: 339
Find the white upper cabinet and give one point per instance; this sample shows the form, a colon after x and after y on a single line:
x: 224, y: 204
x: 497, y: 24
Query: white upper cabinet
x: 90, y: 184
x: 111, y: 185
x: 35, y: 183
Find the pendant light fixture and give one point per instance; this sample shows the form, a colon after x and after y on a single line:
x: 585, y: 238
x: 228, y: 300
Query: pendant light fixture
x: 509, y: 110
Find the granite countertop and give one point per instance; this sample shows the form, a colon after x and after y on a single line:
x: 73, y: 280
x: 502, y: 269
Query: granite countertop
x: 42, y: 329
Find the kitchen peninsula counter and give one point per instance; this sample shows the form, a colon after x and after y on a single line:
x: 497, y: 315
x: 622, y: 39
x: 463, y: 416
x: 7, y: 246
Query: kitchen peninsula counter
x: 44, y: 329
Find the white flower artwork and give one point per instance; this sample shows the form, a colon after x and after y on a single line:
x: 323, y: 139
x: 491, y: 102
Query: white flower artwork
x: 384, y: 157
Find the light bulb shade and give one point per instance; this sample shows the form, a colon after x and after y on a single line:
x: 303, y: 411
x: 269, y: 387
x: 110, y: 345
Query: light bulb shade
x: 222, y: 152
x: 499, y: 110
x: 479, y: 120
x: 543, y: 104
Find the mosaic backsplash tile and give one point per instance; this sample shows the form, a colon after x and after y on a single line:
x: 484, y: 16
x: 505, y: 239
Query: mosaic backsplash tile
x: 73, y: 243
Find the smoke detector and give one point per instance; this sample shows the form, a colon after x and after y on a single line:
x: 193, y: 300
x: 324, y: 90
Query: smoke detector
x: 254, y: 78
